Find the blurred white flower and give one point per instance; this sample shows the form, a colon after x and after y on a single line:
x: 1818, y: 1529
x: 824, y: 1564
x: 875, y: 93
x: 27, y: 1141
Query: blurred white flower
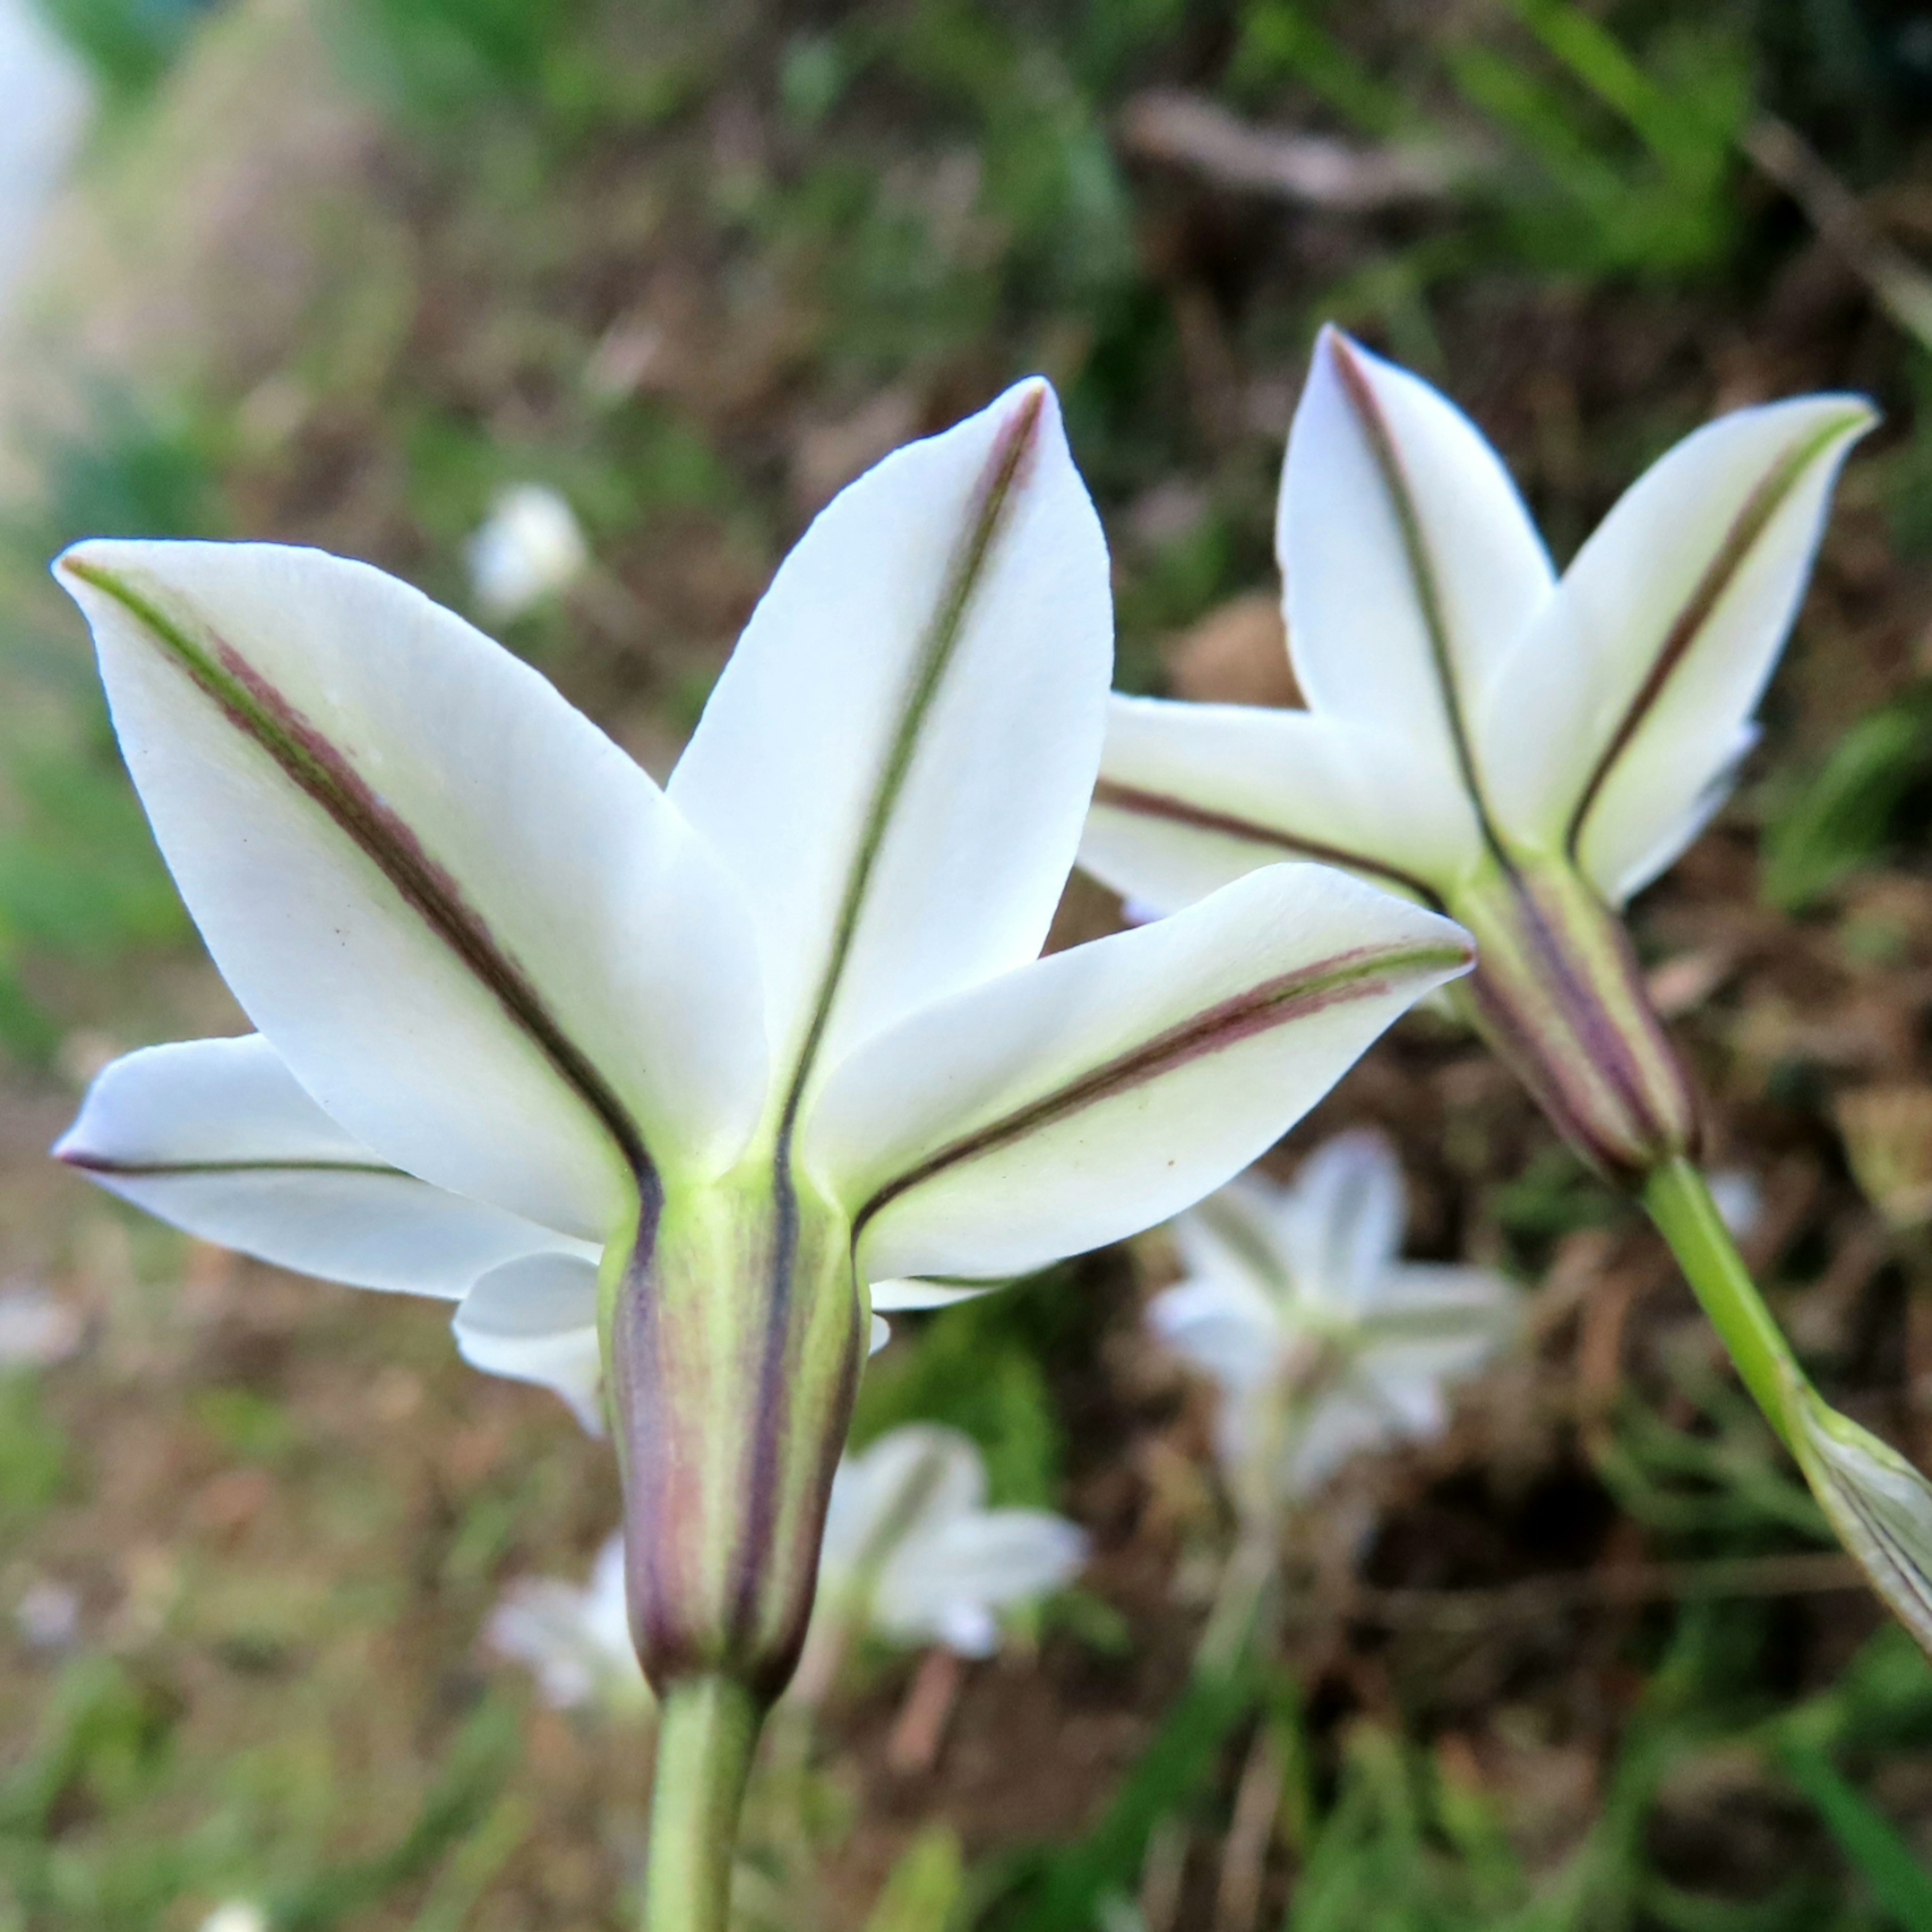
x: 1323, y: 1342
x: 530, y: 547
x: 48, y: 1615
x: 575, y: 1640
x: 912, y: 1554
x: 45, y: 101
x: 238, y: 1914
x: 37, y: 1329
x: 1739, y: 1200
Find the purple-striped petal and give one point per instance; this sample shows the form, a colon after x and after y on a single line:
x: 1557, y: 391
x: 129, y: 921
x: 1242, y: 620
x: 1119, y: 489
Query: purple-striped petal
x: 472, y: 926
x: 1097, y: 1091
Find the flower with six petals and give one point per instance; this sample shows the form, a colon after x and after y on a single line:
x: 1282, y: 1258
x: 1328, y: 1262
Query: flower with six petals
x: 1521, y: 751
x: 657, y: 1085
x: 1322, y: 1341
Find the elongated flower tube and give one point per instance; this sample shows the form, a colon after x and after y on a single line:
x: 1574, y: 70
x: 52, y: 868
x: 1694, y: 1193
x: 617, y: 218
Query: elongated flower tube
x: 1525, y: 752
x: 657, y: 1084
x: 912, y: 1555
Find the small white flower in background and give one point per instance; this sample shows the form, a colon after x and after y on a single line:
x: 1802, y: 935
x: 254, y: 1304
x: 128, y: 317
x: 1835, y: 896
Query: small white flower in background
x: 576, y: 1638
x: 1323, y: 1341
x: 48, y: 1615
x: 1738, y: 1197
x: 912, y: 1553
x: 530, y: 547
x: 239, y: 1915
x: 671, y: 1088
x: 37, y: 1329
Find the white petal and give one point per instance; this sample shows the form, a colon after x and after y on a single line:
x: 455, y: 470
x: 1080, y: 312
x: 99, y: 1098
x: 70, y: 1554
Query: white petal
x: 1101, y: 1090
x: 987, y: 1560
x: 1347, y: 1423
x: 1609, y: 720
x: 470, y: 924
x: 1341, y: 1224
x: 1235, y: 1234
x: 1193, y: 796
x: 1433, y: 1298
x: 1622, y: 851
x: 897, y: 758
x: 882, y: 1332
x: 215, y: 1136
x: 905, y: 1292
x: 1410, y: 563
x: 1224, y: 1325
x: 918, y: 1475
x: 535, y: 1321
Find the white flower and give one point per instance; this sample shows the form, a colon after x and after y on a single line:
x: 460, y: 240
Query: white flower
x: 37, y: 1329
x: 530, y: 547
x: 1521, y: 752
x: 575, y: 1638
x: 683, y: 1081
x: 1323, y: 1342
x: 907, y: 1534
x: 238, y: 1914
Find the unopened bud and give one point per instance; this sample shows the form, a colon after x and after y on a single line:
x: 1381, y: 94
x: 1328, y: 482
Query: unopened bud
x: 1880, y: 1506
x: 1558, y: 992
x: 733, y: 1336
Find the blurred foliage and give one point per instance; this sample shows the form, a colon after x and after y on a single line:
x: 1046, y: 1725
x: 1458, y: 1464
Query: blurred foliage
x: 128, y: 45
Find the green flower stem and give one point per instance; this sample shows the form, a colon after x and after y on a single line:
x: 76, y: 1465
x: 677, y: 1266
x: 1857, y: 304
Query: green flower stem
x: 1678, y: 1200
x: 707, y: 1732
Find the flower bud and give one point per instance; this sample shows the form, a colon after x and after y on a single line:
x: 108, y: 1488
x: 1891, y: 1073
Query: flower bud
x: 1879, y: 1505
x: 1557, y: 991
x: 733, y: 1336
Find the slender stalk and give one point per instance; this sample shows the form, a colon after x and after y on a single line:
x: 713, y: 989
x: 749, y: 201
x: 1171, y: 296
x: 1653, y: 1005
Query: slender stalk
x: 707, y: 1731
x: 1678, y: 1200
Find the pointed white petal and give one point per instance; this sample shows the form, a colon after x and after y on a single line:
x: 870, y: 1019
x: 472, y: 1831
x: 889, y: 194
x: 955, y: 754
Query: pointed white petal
x: 535, y: 1321
x: 1622, y: 851
x: 1342, y: 1223
x: 1428, y: 1300
x: 897, y: 758
x: 1350, y: 1421
x: 919, y: 1474
x: 473, y: 927
x: 215, y: 1136
x: 1193, y: 796
x: 1410, y: 561
x: 1609, y: 721
x: 1235, y: 1234
x: 985, y: 1561
x: 1096, y: 1091
x: 1224, y: 1325
x: 907, y: 1292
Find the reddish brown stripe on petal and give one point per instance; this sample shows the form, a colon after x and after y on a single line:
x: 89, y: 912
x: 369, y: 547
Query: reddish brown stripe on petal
x: 1361, y: 974
x: 1388, y: 454
x: 320, y: 769
x: 1136, y: 800
x: 144, y: 1170
x: 1750, y: 523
